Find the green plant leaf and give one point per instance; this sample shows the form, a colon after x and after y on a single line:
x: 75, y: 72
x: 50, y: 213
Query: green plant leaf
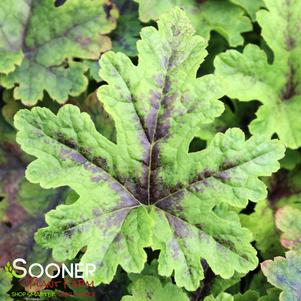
x: 49, y: 38
x: 272, y: 295
x: 218, y: 15
x: 248, y: 75
x: 93, y: 70
x: 261, y: 224
x: 247, y: 296
x: 150, y: 288
x: 125, y: 36
x: 146, y: 190
x: 291, y: 160
x: 149, y: 270
x: 220, y: 297
x: 284, y: 273
x: 13, y: 15
x: 10, y: 107
x: 251, y: 7
x: 103, y: 122
x: 259, y: 284
x: 5, y: 286
x: 288, y: 220
x: 220, y: 285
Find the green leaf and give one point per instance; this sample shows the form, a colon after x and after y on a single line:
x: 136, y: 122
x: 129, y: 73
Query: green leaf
x: 291, y: 160
x: 49, y: 38
x: 220, y: 285
x: 272, y: 295
x: 93, y: 70
x: 150, y: 288
x: 236, y: 114
x: 149, y: 270
x: 247, y: 296
x: 103, y: 122
x: 248, y: 75
x: 284, y: 273
x: 146, y: 190
x: 13, y: 16
x: 259, y: 284
x: 251, y: 7
x: 125, y: 36
x: 220, y: 297
x: 288, y: 220
x: 10, y: 107
x: 5, y: 286
x: 214, y: 15
x: 261, y: 224
x: 217, y: 44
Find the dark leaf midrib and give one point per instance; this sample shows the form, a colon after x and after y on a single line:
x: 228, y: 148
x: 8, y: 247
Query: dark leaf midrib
x: 153, y: 140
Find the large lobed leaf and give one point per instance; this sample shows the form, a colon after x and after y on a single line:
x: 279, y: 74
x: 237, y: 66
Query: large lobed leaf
x: 248, y: 75
x: 218, y: 15
x: 285, y: 273
x: 48, y: 38
x: 146, y: 190
x: 251, y: 7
